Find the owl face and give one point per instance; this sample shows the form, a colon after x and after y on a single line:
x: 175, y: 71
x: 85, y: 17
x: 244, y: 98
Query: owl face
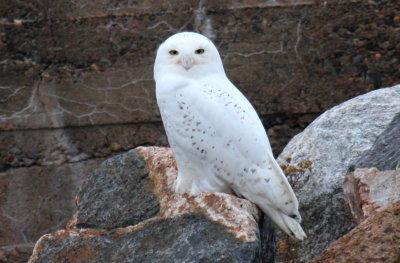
x: 188, y: 54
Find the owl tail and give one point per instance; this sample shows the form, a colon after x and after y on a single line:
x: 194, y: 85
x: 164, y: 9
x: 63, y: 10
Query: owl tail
x: 289, y: 225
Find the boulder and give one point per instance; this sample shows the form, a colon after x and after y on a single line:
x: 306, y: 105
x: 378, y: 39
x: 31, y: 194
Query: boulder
x: 368, y: 190
x: 318, y: 159
x: 375, y: 240
x: 128, y: 211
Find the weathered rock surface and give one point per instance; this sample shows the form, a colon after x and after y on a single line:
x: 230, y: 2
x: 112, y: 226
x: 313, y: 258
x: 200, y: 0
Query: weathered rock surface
x: 149, y: 221
x: 318, y: 159
x: 368, y: 190
x: 73, y: 144
x: 16, y: 254
x: 88, y: 64
x: 117, y: 194
x: 376, y: 240
x: 385, y: 153
x: 187, y: 238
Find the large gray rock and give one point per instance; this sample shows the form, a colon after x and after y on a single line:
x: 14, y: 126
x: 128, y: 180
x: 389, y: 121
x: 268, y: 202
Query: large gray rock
x: 318, y: 159
x: 134, y: 215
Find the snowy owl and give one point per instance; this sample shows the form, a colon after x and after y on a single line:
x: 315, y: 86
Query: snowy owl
x: 217, y: 138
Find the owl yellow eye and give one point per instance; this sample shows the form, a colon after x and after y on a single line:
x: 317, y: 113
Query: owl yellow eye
x: 173, y: 52
x: 199, y: 51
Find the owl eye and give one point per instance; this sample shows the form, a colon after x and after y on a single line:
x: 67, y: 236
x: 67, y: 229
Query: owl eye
x: 173, y: 52
x: 199, y: 51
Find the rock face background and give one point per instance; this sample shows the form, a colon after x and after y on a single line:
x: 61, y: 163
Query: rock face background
x: 76, y: 82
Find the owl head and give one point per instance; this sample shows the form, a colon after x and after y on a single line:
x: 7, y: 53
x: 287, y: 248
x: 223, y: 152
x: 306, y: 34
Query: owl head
x: 188, y: 54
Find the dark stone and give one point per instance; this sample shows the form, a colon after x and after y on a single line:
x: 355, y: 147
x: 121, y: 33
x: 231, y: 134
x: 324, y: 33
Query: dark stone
x: 117, y: 194
x: 188, y: 238
x: 267, y: 236
x: 385, y: 152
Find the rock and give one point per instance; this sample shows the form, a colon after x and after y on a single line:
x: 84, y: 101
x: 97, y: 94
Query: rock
x: 134, y: 214
x: 186, y: 238
x: 385, y: 152
x: 112, y: 195
x: 368, y: 190
x: 318, y: 159
x: 375, y: 240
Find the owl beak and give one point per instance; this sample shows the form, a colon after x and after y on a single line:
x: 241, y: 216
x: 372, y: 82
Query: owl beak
x: 187, y: 62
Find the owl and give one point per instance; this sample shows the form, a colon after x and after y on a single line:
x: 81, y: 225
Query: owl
x: 216, y: 136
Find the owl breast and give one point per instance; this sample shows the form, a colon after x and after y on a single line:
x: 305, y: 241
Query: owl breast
x: 207, y: 128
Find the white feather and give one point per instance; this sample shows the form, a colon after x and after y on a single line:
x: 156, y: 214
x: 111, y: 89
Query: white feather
x: 218, y: 140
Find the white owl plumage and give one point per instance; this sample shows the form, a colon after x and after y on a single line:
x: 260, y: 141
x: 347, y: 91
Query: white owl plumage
x: 217, y: 138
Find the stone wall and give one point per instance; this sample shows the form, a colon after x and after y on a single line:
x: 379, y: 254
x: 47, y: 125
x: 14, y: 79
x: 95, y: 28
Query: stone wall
x: 76, y: 80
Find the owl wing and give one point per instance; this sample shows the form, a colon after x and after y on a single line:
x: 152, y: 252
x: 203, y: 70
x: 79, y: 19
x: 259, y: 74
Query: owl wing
x: 225, y: 127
